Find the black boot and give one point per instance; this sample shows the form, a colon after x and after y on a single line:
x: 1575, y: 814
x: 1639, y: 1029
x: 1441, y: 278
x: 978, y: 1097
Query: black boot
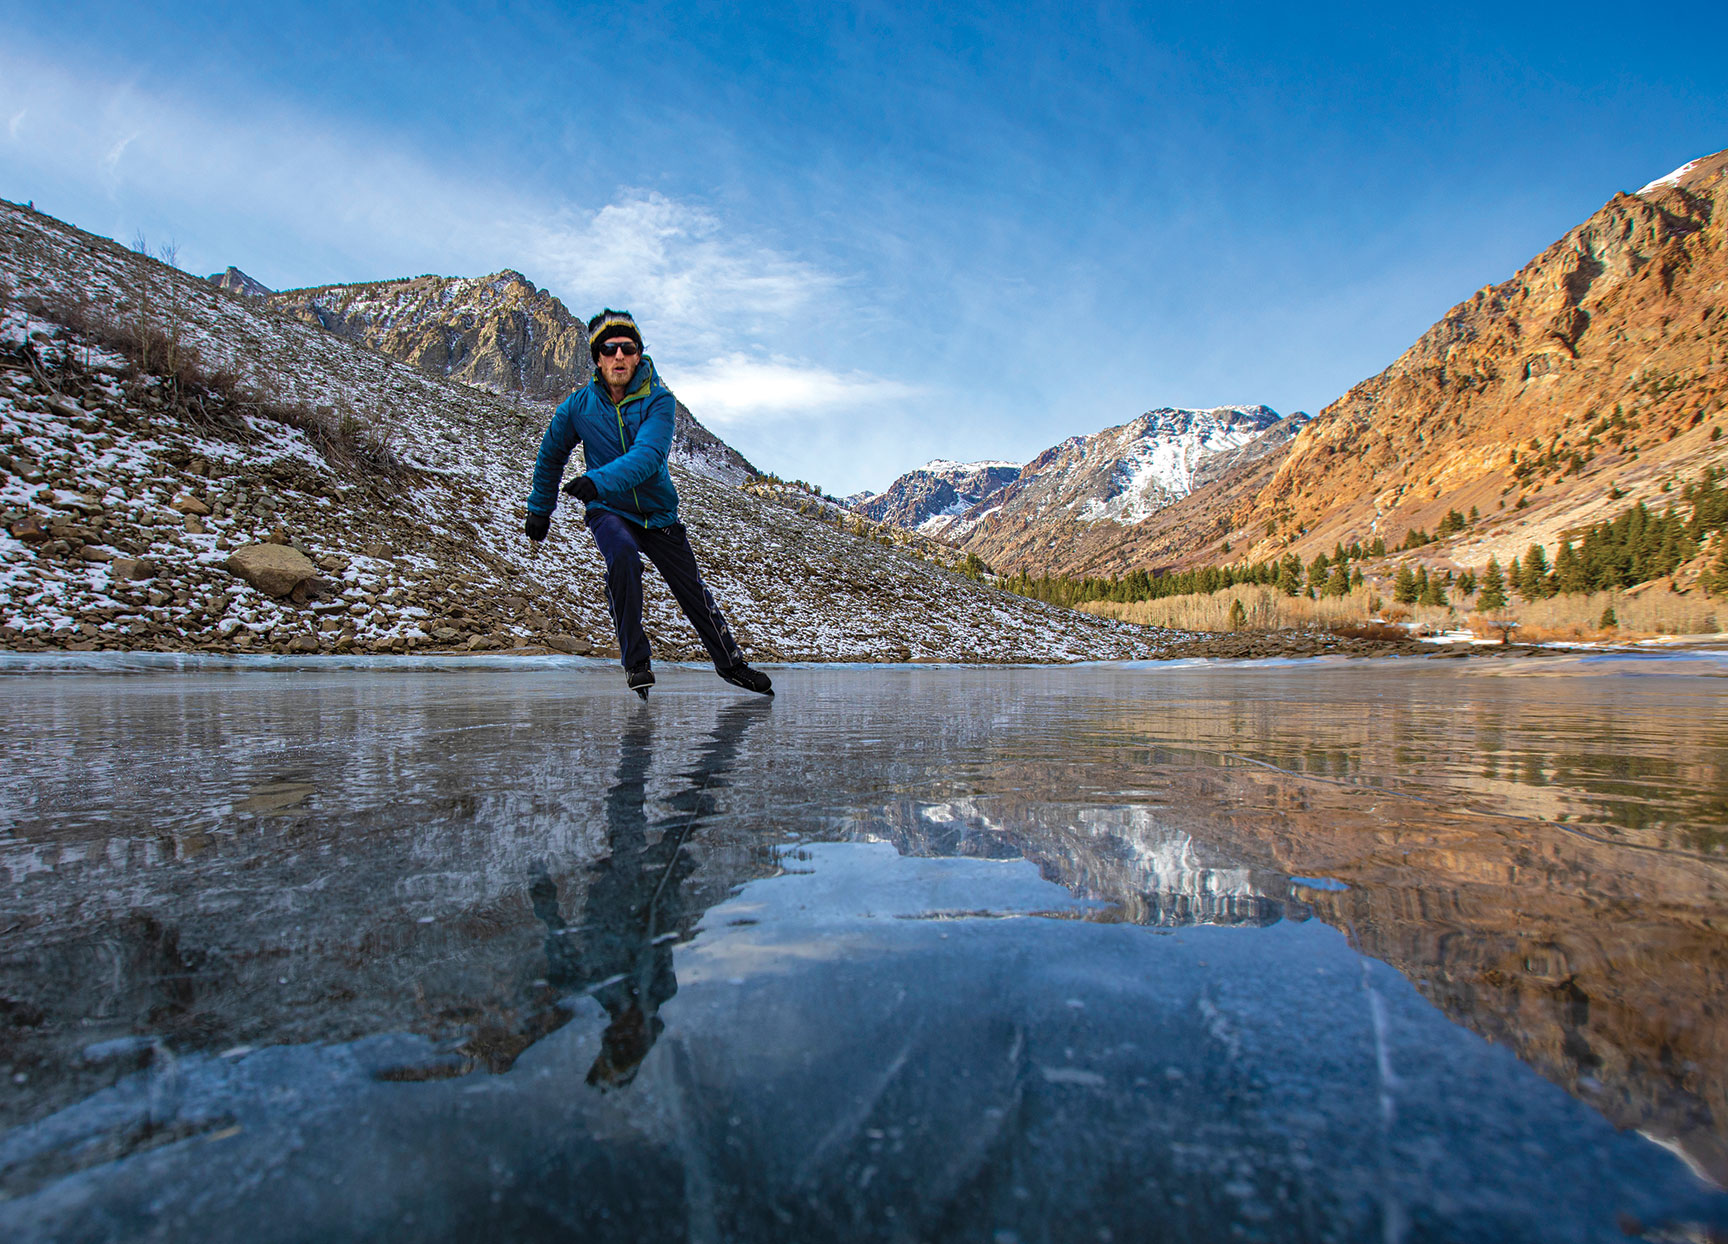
x: 741, y: 675
x: 639, y: 678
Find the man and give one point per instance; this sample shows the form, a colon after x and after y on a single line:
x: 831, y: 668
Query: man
x: 623, y: 419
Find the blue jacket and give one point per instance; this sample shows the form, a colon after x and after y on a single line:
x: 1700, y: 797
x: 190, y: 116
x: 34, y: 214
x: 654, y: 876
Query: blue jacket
x: 625, y: 445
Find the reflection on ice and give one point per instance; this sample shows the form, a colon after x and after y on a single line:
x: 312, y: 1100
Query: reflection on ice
x: 1315, y: 953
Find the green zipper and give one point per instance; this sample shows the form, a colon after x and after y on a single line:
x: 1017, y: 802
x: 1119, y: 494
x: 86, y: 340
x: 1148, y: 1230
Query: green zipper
x: 618, y: 413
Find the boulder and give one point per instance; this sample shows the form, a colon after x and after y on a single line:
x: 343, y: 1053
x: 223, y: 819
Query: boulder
x: 30, y: 530
x: 379, y: 550
x: 274, y: 569
x: 131, y: 569
x: 303, y: 643
x: 446, y: 634
x: 96, y: 553
x: 335, y: 563
x: 575, y: 645
x: 194, y: 525
x: 189, y: 505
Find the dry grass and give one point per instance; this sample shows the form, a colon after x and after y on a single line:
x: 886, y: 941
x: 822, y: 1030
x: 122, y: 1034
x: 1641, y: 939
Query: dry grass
x: 1266, y: 609
x: 1639, y: 613
x: 150, y: 338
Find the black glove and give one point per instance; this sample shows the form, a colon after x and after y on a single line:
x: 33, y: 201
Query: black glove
x: 582, y: 488
x: 536, y: 526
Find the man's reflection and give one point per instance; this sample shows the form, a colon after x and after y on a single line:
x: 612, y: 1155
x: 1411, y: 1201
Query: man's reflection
x: 620, y: 948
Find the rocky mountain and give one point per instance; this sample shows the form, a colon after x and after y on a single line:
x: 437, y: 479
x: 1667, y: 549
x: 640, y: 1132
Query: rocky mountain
x: 1594, y: 378
x: 1082, y: 494
x: 931, y: 498
x: 495, y: 332
x: 237, y: 282
x: 1059, y: 544
x: 182, y: 469
x: 498, y: 333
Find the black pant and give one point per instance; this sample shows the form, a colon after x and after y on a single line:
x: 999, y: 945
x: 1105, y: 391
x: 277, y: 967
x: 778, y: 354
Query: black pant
x: 622, y: 543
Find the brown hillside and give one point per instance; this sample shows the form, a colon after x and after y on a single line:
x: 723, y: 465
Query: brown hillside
x: 1603, y: 362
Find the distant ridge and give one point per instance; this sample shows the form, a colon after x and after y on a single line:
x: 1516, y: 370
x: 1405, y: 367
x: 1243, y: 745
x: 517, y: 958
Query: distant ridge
x: 237, y: 282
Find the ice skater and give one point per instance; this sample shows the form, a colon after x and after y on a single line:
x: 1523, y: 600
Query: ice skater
x: 624, y: 419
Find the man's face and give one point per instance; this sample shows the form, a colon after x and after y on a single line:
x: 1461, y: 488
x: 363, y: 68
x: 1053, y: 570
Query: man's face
x: 617, y: 369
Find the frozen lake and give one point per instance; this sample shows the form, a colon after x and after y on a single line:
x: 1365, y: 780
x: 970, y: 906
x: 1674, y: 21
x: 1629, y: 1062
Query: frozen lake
x: 1371, y: 950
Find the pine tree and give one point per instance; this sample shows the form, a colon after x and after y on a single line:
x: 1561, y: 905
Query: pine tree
x: 1569, y: 572
x: 1238, y: 615
x: 1317, y: 572
x: 1536, y: 585
x: 1404, y: 586
x: 1290, y: 576
x: 1339, y: 583
x: 1493, y: 587
x: 1716, y: 582
x: 1378, y: 548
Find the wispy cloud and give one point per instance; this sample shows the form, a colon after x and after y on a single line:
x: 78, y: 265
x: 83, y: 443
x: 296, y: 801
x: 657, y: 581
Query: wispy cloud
x: 698, y: 286
x: 737, y: 388
x: 677, y: 264
x: 16, y: 124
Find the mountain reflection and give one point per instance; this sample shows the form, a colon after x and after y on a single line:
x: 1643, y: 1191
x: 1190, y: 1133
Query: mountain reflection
x: 472, y: 861
x: 1599, y: 964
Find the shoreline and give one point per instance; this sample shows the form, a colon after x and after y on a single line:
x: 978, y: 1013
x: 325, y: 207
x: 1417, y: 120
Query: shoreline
x: 1243, y: 646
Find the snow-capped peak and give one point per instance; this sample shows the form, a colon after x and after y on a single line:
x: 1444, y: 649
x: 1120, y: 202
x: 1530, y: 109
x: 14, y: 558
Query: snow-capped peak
x: 941, y: 466
x: 1673, y: 179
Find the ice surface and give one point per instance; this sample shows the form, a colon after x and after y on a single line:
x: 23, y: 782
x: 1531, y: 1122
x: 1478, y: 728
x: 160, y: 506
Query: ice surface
x: 290, y: 951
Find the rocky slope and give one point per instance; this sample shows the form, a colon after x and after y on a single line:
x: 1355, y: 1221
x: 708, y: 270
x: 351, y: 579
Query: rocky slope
x: 1601, y: 365
x: 151, y: 424
x: 933, y: 497
x: 498, y: 333
x: 1091, y: 493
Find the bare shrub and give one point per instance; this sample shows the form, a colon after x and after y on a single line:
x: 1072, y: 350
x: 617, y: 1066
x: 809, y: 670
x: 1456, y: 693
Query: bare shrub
x: 1264, y: 608
x: 155, y: 345
x: 1641, y: 612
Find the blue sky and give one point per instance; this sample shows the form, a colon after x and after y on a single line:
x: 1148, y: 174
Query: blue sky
x: 862, y: 236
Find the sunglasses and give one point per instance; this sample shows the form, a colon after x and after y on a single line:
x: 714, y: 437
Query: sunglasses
x: 628, y: 348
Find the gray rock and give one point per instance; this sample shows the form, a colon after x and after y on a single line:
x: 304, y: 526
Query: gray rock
x: 274, y: 569
x: 303, y: 643
x: 575, y: 645
x: 96, y: 553
x: 131, y: 569
x: 446, y: 634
